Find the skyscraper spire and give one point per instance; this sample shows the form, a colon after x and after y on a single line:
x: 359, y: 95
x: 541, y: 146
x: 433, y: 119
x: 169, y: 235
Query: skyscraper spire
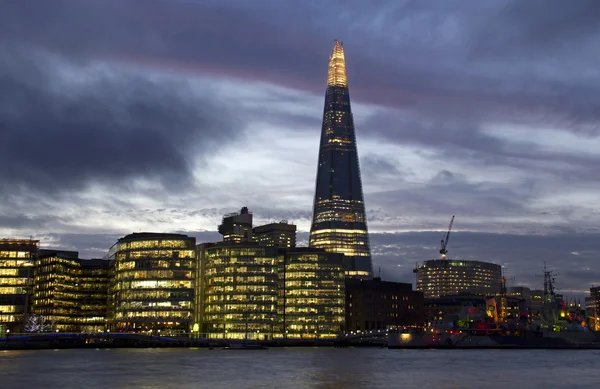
x: 339, y: 218
x: 337, y: 67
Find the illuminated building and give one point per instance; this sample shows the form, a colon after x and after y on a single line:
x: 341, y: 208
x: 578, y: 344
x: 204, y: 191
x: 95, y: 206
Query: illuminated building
x: 592, y: 308
x: 312, y: 293
x: 239, y: 290
x: 237, y: 227
x: 339, y: 219
x: 280, y: 234
x: 377, y: 305
x: 439, y: 277
x: 17, y: 259
x: 71, y: 292
x: 152, y: 286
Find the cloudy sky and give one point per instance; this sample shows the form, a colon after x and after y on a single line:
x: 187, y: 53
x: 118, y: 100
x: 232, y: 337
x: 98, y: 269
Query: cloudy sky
x: 120, y: 116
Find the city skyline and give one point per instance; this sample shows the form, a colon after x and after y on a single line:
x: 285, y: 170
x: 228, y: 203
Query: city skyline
x: 458, y: 114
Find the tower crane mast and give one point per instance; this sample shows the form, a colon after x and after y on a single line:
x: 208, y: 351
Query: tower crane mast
x: 444, y: 251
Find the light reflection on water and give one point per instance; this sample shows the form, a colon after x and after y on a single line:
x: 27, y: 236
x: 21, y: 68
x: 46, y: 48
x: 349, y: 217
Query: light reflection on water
x: 325, y: 368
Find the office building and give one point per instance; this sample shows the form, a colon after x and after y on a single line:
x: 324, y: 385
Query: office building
x: 17, y: 261
x: 152, y: 285
x: 377, y: 305
x: 239, y: 284
x: 312, y: 293
x: 282, y: 234
x: 70, y: 292
x: 339, y: 219
x: 236, y: 227
x: 440, y: 277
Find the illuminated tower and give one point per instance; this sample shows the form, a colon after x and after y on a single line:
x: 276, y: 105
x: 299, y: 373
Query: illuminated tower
x: 339, y: 218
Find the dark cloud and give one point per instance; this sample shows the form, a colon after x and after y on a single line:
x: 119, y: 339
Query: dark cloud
x: 62, y: 130
x: 542, y: 25
x: 415, y: 55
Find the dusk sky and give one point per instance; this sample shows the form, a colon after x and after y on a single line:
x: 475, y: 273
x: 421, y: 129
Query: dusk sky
x: 120, y: 116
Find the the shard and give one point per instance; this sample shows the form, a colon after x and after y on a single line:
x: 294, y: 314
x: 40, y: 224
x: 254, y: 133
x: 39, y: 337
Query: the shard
x: 339, y: 218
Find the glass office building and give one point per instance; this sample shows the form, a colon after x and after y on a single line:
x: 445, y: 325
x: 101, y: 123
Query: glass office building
x: 17, y: 261
x: 312, y: 294
x: 71, y: 292
x: 152, y: 286
x: 239, y: 297
x: 339, y: 219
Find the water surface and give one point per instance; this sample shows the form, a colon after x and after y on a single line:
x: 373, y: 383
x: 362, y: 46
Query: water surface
x: 324, y: 368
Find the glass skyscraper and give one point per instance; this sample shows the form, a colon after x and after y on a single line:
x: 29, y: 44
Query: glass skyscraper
x: 339, y: 219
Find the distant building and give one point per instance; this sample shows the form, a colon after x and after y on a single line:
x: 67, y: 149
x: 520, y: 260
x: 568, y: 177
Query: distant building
x: 17, y: 261
x: 592, y: 307
x: 518, y: 292
x: 536, y: 301
x: 71, y: 292
x: 312, y: 293
x: 282, y: 234
x: 376, y: 305
x: 237, y: 227
x: 440, y: 277
x: 441, y: 308
x: 152, y: 287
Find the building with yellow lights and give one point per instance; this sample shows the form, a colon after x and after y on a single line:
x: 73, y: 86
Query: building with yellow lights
x: 17, y: 259
x: 266, y: 290
x: 71, y: 292
x: 282, y: 234
x: 152, y: 284
x: 440, y: 277
x: 339, y: 221
x: 311, y: 295
x: 236, y: 227
x: 238, y: 291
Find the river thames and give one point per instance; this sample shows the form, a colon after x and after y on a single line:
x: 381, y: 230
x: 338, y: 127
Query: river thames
x: 325, y: 368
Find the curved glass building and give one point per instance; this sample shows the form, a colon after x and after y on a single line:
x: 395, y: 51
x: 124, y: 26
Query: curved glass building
x: 339, y: 218
x: 153, y: 283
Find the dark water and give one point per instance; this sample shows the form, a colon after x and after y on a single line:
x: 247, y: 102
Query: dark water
x: 298, y: 368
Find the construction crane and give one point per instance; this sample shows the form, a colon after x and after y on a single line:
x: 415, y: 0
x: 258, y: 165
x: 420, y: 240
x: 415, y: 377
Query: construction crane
x: 443, y: 251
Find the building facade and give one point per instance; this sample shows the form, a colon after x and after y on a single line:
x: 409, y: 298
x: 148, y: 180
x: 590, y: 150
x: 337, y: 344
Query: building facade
x: 282, y: 234
x: 152, y: 283
x: 17, y: 261
x: 236, y: 227
x: 239, y: 291
x: 339, y: 219
x: 70, y: 292
x: 440, y: 277
x: 377, y: 305
x: 311, y: 294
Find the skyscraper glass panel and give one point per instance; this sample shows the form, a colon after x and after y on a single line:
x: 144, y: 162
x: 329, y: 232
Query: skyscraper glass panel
x: 339, y: 219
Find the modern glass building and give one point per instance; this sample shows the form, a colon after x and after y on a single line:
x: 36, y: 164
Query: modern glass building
x: 152, y: 287
x: 71, y: 292
x: 441, y: 277
x: 312, y: 294
x: 17, y: 261
x: 239, y: 298
x: 339, y: 219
